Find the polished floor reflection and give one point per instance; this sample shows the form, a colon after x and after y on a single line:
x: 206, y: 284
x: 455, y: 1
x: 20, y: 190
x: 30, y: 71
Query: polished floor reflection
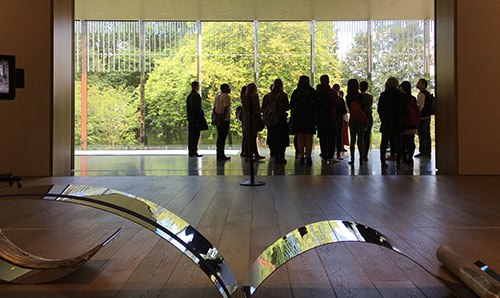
x: 182, y: 165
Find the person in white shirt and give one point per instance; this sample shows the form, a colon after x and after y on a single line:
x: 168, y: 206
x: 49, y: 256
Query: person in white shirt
x: 221, y: 118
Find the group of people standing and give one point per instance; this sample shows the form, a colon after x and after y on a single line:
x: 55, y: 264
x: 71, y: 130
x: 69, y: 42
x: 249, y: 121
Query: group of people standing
x: 323, y: 111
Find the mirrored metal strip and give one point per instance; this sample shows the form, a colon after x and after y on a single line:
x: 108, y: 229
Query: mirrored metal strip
x: 488, y: 270
x: 18, y: 266
x: 306, y: 238
x: 162, y: 222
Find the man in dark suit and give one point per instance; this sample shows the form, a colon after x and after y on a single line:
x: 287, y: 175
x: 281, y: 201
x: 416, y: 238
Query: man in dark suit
x: 195, y: 115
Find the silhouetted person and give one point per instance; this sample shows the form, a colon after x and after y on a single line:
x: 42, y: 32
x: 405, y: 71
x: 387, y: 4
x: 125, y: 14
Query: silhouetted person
x: 424, y: 101
x: 195, y: 116
x: 303, y: 110
x: 251, y: 98
x: 275, y: 106
x: 327, y: 105
x: 357, y: 120
x: 411, y: 119
x: 222, y: 112
x: 367, y: 104
x: 269, y: 139
x: 391, y: 109
x: 339, y: 121
x: 345, y: 130
x: 244, y: 149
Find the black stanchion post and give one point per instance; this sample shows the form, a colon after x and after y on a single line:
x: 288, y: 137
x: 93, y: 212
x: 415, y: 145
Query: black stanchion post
x: 250, y: 149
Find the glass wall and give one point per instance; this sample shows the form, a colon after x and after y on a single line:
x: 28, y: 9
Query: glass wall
x: 132, y: 77
x: 227, y: 56
x: 284, y: 51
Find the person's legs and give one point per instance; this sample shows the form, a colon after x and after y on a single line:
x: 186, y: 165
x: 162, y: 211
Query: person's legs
x: 301, y: 143
x: 244, y: 145
x: 411, y: 147
x: 424, y: 137
x: 308, y: 138
x: 331, y: 141
x: 271, y: 141
x: 296, y: 146
x: 360, y: 131
x: 190, y: 139
x: 254, y: 146
x: 392, y: 146
x: 383, y: 149
x: 222, y: 132
x: 396, y: 139
x: 352, y: 130
x: 323, y: 143
x: 404, y: 148
x: 338, y: 141
x: 308, y: 143
x: 367, y: 143
x: 427, y: 148
x: 193, y: 137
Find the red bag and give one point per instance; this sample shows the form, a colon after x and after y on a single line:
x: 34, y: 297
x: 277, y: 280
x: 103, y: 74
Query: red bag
x: 357, y: 114
x: 412, y: 118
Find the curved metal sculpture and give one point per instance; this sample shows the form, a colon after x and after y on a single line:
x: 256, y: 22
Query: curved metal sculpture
x: 162, y: 222
x: 304, y: 239
x: 190, y: 242
x: 18, y: 266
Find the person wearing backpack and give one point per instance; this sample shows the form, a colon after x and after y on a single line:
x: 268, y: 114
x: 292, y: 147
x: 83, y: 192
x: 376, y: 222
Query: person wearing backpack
x: 425, y: 103
x: 275, y: 106
x: 411, y: 120
x: 391, y: 109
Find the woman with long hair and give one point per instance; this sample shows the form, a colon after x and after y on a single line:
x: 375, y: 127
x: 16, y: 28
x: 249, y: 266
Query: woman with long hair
x: 410, y: 122
x: 303, y: 111
x: 251, y: 98
x: 275, y: 106
x: 356, y: 125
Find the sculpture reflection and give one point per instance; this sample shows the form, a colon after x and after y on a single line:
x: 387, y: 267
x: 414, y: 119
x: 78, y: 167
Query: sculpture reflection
x: 306, y: 238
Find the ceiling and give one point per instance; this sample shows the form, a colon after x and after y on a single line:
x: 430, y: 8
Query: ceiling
x: 247, y: 10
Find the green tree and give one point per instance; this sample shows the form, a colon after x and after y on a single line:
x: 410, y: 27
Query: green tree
x: 165, y: 105
x: 113, y: 117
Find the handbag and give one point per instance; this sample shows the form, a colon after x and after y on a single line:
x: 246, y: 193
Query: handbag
x: 357, y: 113
x: 203, y: 125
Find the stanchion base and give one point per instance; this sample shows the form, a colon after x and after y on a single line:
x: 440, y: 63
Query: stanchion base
x: 255, y: 183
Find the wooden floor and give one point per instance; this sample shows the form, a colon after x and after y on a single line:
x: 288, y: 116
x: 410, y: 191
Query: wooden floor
x: 417, y: 213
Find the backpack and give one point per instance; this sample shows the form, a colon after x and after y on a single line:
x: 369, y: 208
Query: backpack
x: 430, y: 106
x: 433, y: 104
x: 270, y: 113
x: 413, y: 115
